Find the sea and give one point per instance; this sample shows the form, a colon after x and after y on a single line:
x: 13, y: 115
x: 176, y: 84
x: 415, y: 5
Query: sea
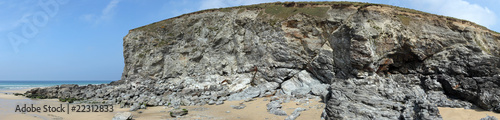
x: 17, y: 85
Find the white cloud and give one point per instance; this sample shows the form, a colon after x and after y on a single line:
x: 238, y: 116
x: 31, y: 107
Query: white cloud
x: 106, y: 14
x: 458, y: 9
x: 12, y: 11
x: 88, y: 17
x: 177, y: 7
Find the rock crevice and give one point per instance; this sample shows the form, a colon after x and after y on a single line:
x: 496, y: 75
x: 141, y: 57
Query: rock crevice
x: 367, y: 61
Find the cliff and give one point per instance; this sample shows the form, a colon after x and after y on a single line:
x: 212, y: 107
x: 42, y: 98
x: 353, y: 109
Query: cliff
x: 365, y: 60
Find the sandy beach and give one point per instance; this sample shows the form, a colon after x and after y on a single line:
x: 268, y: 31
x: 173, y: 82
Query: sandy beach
x: 465, y: 114
x: 254, y: 110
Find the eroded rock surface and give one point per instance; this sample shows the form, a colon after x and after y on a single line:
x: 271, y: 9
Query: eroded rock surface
x: 366, y: 61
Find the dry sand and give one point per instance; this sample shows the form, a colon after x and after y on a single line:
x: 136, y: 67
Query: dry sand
x: 254, y: 110
x: 8, y: 103
x: 464, y: 114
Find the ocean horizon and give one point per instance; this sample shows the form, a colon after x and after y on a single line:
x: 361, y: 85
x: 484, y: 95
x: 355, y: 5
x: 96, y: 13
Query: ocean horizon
x: 17, y: 84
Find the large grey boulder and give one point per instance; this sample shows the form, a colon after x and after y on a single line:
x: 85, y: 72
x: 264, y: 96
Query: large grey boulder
x: 295, y: 114
x: 274, y: 107
x: 134, y: 107
x: 178, y: 112
x: 123, y: 116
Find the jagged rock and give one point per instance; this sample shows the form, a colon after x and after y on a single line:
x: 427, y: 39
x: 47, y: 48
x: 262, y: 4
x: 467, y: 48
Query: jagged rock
x: 273, y: 104
x: 248, y: 93
x: 178, y: 112
x: 295, y: 114
x: 365, y: 61
x: 211, y: 102
x: 279, y: 112
x: 134, y: 107
x: 489, y: 118
x: 219, y: 102
x: 241, y: 106
x: 274, y: 107
x: 123, y: 116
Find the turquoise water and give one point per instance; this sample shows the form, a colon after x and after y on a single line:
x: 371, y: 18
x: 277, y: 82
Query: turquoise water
x: 14, y: 85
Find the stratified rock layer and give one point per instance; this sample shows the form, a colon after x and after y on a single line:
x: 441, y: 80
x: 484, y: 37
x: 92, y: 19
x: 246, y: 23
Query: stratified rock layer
x: 366, y: 61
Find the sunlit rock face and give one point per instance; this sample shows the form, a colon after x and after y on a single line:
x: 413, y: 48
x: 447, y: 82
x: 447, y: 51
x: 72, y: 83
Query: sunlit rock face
x: 366, y: 61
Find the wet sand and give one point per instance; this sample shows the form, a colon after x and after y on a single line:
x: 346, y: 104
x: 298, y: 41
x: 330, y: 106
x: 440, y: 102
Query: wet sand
x: 254, y: 110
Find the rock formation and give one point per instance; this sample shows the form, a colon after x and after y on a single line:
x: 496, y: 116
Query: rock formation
x: 366, y: 61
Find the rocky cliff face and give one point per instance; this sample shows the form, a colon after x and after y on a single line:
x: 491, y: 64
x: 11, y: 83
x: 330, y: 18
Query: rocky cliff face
x: 366, y: 61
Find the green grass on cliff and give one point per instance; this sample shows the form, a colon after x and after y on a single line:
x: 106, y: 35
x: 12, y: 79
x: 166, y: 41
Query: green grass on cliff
x: 404, y: 19
x: 283, y: 10
x: 280, y: 10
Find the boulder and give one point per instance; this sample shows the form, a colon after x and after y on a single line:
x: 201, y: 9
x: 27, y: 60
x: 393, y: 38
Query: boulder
x: 178, y: 112
x: 123, y: 116
x: 489, y: 118
x: 295, y: 114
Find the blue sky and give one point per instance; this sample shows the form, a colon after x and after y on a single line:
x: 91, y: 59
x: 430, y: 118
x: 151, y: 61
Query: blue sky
x: 82, y: 40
